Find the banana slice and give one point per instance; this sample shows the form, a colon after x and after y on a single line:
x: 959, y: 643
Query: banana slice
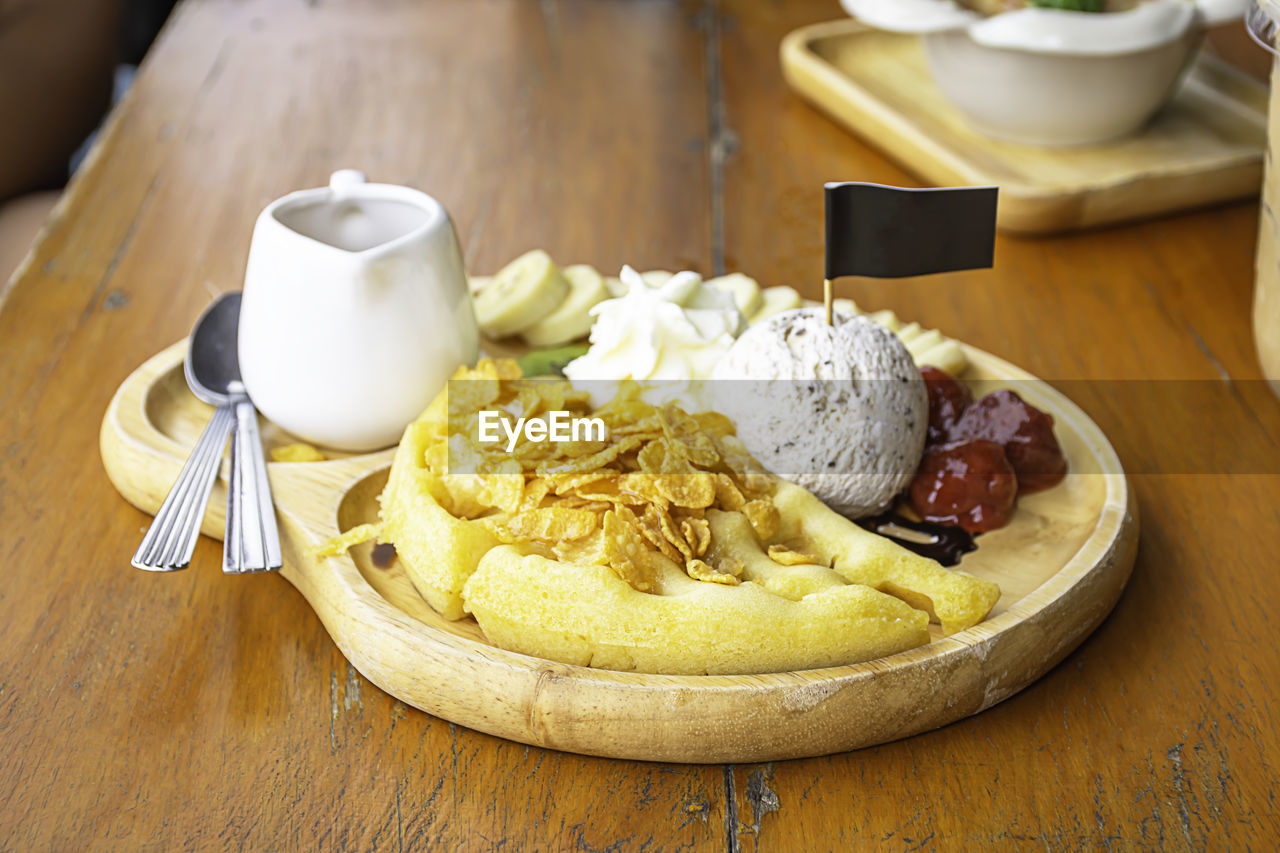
x: 948, y: 356
x: 571, y: 320
x: 477, y: 283
x: 909, y: 333
x: 845, y: 306
x: 923, y: 341
x: 656, y: 278
x: 775, y: 300
x: 745, y: 291
x: 933, y: 348
x: 615, y: 285
x: 522, y: 293
x: 888, y: 319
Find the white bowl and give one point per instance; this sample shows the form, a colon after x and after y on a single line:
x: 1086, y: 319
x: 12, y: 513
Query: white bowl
x: 1055, y: 99
x: 1050, y: 77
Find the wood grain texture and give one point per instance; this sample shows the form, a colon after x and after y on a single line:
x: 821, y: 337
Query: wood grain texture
x: 206, y: 712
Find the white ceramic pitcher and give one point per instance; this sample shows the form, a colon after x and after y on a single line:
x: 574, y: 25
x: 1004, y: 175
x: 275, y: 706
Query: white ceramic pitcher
x: 355, y: 311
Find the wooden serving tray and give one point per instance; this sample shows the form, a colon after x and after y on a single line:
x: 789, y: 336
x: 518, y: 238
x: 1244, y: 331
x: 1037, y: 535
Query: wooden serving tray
x: 1206, y: 146
x: 1061, y: 564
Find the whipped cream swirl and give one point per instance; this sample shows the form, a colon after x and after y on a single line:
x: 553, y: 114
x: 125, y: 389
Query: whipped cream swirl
x: 678, y: 330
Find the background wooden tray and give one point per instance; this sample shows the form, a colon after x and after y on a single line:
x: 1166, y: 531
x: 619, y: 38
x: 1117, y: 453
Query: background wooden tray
x: 1061, y: 564
x: 1205, y: 146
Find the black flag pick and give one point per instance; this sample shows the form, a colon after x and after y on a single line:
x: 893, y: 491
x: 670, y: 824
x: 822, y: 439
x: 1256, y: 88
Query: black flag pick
x: 891, y: 232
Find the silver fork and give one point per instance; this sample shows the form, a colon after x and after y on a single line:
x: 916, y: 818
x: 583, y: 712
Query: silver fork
x: 171, y: 538
x: 251, y: 544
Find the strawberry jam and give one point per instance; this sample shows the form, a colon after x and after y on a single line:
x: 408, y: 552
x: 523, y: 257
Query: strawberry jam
x: 1025, y: 433
x: 970, y: 484
x: 979, y: 456
x: 948, y: 398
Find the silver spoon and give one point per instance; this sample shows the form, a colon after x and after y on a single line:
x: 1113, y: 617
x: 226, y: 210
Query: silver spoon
x: 213, y: 374
x: 212, y: 367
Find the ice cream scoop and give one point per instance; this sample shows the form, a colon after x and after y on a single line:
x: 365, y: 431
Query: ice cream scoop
x: 838, y: 409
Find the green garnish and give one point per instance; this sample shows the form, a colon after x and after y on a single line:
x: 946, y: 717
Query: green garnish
x: 1070, y: 5
x: 550, y: 362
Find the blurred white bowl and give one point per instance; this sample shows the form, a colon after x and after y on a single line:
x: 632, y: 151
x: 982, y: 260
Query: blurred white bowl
x: 1052, y: 77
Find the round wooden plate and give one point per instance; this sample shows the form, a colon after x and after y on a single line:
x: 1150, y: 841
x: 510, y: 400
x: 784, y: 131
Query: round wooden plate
x: 1061, y: 565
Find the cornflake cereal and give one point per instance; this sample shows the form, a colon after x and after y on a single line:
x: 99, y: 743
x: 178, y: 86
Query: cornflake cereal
x: 643, y: 490
x: 785, y: 556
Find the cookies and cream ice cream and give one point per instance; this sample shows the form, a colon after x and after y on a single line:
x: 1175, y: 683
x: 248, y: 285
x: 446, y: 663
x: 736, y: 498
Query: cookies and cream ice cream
x: 838, y: 409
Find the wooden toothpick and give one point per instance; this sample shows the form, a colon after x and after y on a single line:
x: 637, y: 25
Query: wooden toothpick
x: 827, y: 301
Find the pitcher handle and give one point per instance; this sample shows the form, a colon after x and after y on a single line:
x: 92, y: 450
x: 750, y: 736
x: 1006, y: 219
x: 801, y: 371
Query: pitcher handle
x: 345, y: 181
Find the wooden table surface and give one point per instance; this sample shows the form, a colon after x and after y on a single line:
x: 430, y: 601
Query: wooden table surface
x: 196, y: 710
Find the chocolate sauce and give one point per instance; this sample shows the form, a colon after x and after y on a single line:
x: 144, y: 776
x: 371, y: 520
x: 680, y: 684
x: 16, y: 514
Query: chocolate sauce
x: 940, y: 542
x: 383, y: 555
